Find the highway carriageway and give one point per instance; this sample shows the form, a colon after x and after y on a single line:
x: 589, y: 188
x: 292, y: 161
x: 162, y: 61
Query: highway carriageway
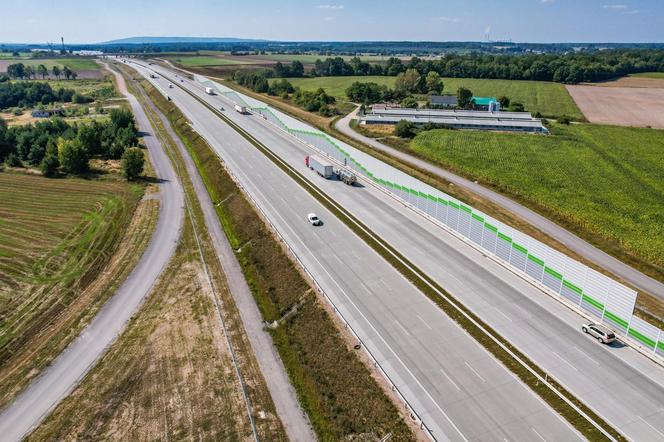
x: 622, y: 386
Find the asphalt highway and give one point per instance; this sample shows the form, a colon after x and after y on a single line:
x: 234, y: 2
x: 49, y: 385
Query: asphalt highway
x: 459, y: 390
x: 68, y: 369
x: 634, y: 277
x: 620, y: 384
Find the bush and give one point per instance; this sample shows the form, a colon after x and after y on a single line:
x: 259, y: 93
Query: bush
x: 404, y: 129
x: 14, y: 161
x: 73, y: 156
x: 81, y: 99
x: 409, y: 102
x: 50, y: 163
x: 133, y: 162
x: 564, y: 120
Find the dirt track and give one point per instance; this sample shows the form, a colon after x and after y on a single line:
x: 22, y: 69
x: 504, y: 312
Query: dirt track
x: 623, y: 106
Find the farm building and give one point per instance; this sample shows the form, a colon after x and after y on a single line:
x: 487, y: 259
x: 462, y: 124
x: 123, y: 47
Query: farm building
x: 46, y: 113
x: 443, y: 100
x: 458, y: 119
x: 485, y: 104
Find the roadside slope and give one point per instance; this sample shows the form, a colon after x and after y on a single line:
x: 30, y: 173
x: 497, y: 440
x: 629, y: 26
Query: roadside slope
x: 67, y: 370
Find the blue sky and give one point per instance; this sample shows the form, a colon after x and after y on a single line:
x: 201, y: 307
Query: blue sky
x: 38, y: 21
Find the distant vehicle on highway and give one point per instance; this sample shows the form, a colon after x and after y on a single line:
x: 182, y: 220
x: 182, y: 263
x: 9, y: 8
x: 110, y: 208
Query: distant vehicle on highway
x: 222, y: 108
x: 170, y: 85
x: 241, y: 109
x: 601, y: 333
x: 314, y: 220
x: 209, y: 91
x: 319, y: 165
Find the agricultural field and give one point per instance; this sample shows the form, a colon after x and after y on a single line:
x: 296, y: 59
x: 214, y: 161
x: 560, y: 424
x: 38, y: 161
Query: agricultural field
x: 56, y: 236
x: 648, y: 75
x: 73, y: 63
x: 604, y: 181
x: 311, y: 59
x: 550, y: 99
x: 195, y: 61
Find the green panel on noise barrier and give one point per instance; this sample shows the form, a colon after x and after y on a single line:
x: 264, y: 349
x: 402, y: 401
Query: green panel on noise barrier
x: 442, y: 201
x: 572, y: 287
x: 519, y: 248
x: 596, y: 303
x: 660, y: 345
x: 493, y: 228
x: 611, y: 316
x: 466, y: 209
x: 478, y: 218
x: 453, y: 204
x: 646, y: 340
x: 553, y: 273
x: 536, y: 260
x: 504, y: 237
x: 431, y: 197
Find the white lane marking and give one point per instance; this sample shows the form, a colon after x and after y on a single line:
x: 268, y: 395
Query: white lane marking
x: 646, y: 422
x: 538, y: 435
x: 402, y: 327
x: 503, y: 314
x: 584, y: 354
x: 474, y: 371
x: 450, y: 379
x: 564, y: 360
x: 424, y: 322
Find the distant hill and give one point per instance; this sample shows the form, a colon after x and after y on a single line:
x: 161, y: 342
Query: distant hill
x: 158, y: 40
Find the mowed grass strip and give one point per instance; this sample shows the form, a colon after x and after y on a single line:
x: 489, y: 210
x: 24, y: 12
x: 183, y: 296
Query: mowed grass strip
x: 648, y: 75
x: 550, y: 99
x: 607, y: 182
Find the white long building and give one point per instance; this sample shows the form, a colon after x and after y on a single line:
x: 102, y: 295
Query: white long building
x: 458, y: 119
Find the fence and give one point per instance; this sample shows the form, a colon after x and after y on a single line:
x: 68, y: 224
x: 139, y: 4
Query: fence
x: 597, y: 295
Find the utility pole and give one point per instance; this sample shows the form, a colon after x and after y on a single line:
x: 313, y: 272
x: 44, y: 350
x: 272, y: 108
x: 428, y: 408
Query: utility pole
x: 62, y: 39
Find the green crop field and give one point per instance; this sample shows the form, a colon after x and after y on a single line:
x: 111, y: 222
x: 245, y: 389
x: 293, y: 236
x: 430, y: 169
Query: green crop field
x: 551, y: 99
x: 311, y: 59
x: 195, y: 61
x: 649, y: 75
x: 75, y: 64
x: 606, y: 180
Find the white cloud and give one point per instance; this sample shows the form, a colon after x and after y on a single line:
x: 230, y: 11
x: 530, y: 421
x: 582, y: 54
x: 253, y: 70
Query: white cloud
x: 631, y: 12
x: 447, y: 19
x: 328, y: 18
x: 547, y: 2
x: 334, y: 7
x: 615, y: 7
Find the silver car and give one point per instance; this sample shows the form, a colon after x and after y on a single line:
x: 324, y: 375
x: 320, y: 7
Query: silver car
x: 599, y: 332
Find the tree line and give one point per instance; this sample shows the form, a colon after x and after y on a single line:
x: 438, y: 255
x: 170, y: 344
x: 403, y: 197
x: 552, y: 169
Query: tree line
x: 19, y: 71
x: 29, y: 94
x: 561, y: 68
x: 312, y: 101
x: 56, y: 146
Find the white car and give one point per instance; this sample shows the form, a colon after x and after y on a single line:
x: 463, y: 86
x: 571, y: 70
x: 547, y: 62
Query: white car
x: 599, y: 332
x: 314, y: 220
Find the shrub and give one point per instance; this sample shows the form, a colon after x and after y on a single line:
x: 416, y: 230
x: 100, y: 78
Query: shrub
x: 133, y: 162
x: 404, y: 129
x: 14, y: 161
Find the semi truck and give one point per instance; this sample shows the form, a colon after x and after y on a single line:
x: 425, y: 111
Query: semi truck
x: 241, y: 109
x: 209, y: 91
x: 346, y: 176
x: 319, y: 165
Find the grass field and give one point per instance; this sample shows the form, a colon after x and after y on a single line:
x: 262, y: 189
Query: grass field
x: 91, y: 87
x: 311, y: 59
x: 195, y: 61
x: 605, y: 180
x: 75, y: 64
x: 551, y: 99
x: 648, y: 75
x: 56, y: 236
